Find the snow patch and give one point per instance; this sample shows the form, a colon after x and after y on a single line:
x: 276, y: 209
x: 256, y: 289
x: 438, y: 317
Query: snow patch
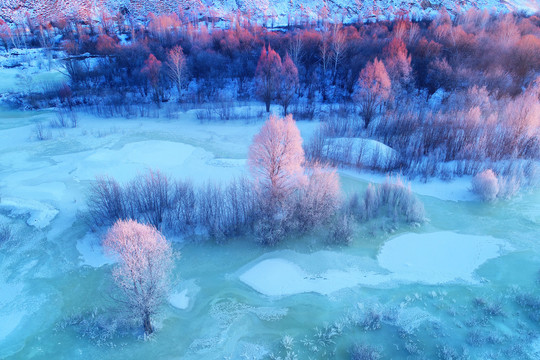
x: 40, y: 214
x: 92, y: 252
x: 436, y: 258
x: 281, y: 277
x: 439, y: 257
x: 180, y: 300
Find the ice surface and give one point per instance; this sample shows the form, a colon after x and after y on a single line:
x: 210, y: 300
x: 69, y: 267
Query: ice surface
x: 9, y: 322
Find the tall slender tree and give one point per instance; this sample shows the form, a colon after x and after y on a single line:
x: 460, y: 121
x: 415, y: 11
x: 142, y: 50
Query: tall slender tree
x: 176, y: 66
x: 268, y: 75
x: 373, y: 89
x: 288, y: 83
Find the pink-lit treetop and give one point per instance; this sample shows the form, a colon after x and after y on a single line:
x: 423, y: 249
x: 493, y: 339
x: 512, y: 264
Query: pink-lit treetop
x: 397, y: 60
x: 151, y: 69
x: 373, y: 88
x: 268, y: 75
x: 276, y: 157
x: 289, y: 82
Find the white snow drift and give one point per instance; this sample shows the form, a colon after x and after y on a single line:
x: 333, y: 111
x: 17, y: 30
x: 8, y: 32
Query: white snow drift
x: 436, y: 258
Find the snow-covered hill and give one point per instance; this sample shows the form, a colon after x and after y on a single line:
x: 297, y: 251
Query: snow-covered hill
x: 17, y: 10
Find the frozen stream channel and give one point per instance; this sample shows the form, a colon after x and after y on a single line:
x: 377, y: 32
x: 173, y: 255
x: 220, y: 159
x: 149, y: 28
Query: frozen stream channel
x: 465, y: 284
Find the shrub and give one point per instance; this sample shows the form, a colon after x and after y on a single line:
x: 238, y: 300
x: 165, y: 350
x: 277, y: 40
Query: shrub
x: 341, y: 230
x: 486, y: 185
x: 41, y: 133
x: 149, y: 193
x: 392, y: 199
x: 365, y: 352
x: 182, y: 216
x: 319, y: 200
x: 106, y: 202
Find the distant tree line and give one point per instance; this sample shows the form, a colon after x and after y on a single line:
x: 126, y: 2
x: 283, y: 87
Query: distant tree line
x: 453, y: 95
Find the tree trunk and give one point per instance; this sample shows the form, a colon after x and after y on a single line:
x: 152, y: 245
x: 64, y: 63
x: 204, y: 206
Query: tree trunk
x: 267, y: 105
x: 148, y: 329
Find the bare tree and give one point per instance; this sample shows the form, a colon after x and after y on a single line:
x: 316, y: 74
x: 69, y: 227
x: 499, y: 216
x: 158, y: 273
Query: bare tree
x: 150, y: 194
x: 144, y: 268
x: 289, y: 83
x: 296, y: 48
x: 339, y: 45
x: 176, y: 66
x: 106, y: 201
x: 325, y: 57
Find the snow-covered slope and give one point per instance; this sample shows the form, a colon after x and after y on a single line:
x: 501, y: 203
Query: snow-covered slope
x: 16, y: 10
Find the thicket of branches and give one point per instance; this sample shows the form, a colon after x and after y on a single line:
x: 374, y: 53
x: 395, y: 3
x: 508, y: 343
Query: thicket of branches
x: 214, y: 210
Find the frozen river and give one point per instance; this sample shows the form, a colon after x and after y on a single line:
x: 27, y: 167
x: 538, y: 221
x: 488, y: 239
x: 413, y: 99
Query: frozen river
x: 465, y: 284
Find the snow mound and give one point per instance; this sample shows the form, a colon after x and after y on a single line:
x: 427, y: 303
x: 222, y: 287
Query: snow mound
x: 361, y: 152
x: 40, y: 214
x: 439, y: 257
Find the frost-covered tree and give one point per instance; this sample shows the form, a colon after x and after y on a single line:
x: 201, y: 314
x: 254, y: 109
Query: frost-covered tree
x: 276, y: 158
x: 176, y: 66
x: 373, y: 89
x: 288, y: 84
x: 276, y: 162
x: 268, y: 75
x: 145, y: 262
x: 486, y: 185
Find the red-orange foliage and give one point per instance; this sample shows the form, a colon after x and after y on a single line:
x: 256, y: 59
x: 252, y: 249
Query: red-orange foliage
x: 268, y: 75
x: 373, y: 89
x: 106, y: 45
x: 397, y: 61
x: 151, y: 69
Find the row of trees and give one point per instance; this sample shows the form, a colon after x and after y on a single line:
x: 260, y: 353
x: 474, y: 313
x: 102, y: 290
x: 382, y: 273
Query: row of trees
x: 495, y: 51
